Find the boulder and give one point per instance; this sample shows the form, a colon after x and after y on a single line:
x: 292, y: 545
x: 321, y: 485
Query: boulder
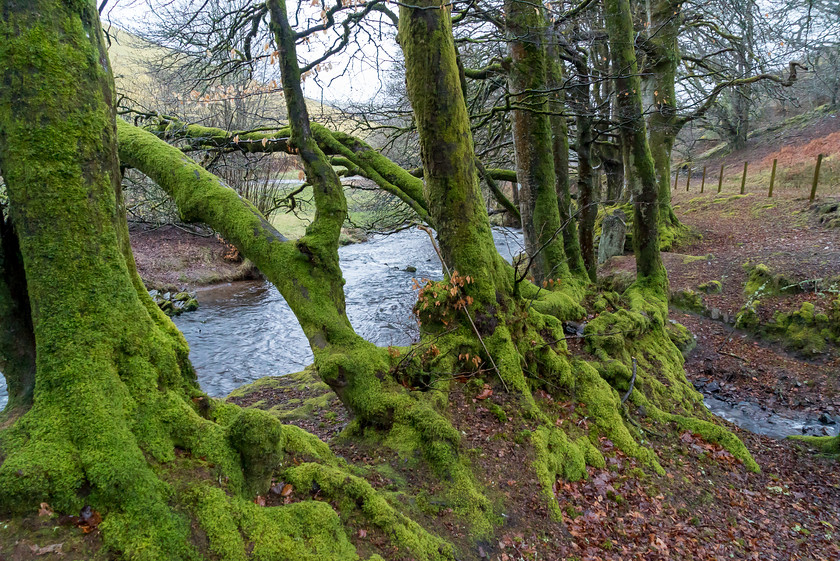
x: 613, y: 235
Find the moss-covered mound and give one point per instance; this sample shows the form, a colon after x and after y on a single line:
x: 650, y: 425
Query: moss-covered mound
x: 808, y: 330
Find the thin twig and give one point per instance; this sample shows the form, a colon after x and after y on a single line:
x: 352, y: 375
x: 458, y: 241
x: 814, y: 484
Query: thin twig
x: 632, y: 381
x: 733, y: 356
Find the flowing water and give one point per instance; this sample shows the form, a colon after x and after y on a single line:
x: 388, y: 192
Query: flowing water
x: 244, y: 331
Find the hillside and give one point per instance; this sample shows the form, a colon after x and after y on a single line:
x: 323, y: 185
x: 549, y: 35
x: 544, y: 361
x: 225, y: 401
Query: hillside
x: 794, y: 142
x: 131, y: 56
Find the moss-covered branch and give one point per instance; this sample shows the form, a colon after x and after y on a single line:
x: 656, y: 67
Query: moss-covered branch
x: 365, y: 160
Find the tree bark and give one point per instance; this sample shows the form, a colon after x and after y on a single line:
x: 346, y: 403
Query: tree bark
x: 629, y: 91
x: 560, y: 150
x: 532, y: 140
x: 664, y: 122
x: 446, y: 148
x: 587, y: 204
x: 106, y: 356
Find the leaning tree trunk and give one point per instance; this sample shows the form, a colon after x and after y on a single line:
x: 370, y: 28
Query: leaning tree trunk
x: 532, y: 140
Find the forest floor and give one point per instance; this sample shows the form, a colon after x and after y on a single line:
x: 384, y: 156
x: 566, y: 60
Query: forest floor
x: 784, y: 234
x: 706, y: 506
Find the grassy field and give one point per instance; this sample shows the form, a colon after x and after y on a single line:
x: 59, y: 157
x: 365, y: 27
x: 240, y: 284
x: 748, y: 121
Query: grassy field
x: 364, y: 208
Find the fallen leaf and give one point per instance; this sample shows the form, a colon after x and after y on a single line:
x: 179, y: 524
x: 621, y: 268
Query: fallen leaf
x: 89, y: 520
x: 45, y: 510
x: 287, y: 490
x: 485, y: 393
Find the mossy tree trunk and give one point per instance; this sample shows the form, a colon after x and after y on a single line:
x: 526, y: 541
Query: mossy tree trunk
x: 587, y: 203
x: 106, y: 356
x: 629, y: 95
x: 532, y: 139
x: 446, y: 148
x: 560, y: 149
x: 664, y: 122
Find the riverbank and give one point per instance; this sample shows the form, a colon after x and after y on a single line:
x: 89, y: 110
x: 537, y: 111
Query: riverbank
x: 172, y: 259
x: 758, y: 288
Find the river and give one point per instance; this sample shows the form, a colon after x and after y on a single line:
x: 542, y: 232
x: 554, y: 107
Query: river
x: 244, y: 331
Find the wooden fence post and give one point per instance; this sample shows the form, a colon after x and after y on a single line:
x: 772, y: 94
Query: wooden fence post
x: 720, y: 179
x: 688, y: 179
x: 816, y: 178
x: 772, y: 178
x: 744, y: 178
x: 703, y: 181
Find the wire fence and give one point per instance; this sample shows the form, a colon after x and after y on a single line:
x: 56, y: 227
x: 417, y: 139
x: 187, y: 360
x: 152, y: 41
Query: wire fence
x: 812, y: 178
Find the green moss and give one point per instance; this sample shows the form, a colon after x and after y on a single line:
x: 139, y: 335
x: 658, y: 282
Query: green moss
x: 829, y: 445
x: 681, y: 337
x: 748, y: 318
x: 311, y: 530
x: 710, y: 287
x: 617, y: 281
x: 805, y: 330
x: 355, y: 493
x: 497, y: 412
x: 762, y: 282
x: 640, y: 332
x: 688, y: 300
x: 717, y: 434
x: 687, y: 259
x: 555, y: 457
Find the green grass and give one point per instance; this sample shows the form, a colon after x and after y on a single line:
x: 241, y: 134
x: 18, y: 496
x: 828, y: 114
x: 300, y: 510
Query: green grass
x: 293, y: 224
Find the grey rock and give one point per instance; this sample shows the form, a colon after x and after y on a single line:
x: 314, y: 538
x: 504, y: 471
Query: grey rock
x: 827, y: 419
x: 712, y: 387
x: 613, y: 235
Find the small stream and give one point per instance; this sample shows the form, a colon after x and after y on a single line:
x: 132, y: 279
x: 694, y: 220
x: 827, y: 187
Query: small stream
x: 244, y: 331
x: 777, y: 423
